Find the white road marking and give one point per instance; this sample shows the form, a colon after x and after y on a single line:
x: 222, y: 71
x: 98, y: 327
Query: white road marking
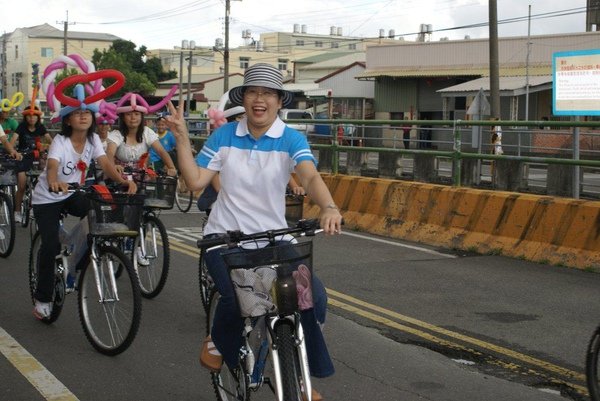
x: 44, y: 381
x: 416, y: 248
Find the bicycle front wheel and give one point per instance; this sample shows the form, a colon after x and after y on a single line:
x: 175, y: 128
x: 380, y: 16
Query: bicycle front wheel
x: 7, y: 225
x: 289, y: 362
x: 111, y: 317
x: 229, y: 384
x: 183, y: 197
x: 153, y: 268
x: 58, y: 297
x: 205, y: 281
x: 591, y: 366
x: 26, y: 208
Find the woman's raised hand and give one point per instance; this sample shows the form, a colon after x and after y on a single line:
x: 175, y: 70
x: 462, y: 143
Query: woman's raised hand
x: 176, y: 122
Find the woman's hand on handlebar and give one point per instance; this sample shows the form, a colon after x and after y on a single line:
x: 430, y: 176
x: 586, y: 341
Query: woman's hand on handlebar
x: 172, y: 172
x: 330, y: 221
x: 58, y: 186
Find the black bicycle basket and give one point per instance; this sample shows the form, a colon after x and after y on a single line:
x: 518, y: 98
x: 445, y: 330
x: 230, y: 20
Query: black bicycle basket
x: 159, y: 191
x: 273, y: 279
x: 115, y: 214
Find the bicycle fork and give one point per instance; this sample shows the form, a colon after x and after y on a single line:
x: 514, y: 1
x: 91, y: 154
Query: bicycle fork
x: 143, y: 242
x: 95, y: 257
x: 300, y: 343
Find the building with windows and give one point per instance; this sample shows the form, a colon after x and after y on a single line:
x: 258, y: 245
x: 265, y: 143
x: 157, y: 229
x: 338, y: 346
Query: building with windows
x: 41, y: 44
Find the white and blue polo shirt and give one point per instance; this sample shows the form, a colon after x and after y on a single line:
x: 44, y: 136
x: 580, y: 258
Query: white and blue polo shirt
x: 254, y: 174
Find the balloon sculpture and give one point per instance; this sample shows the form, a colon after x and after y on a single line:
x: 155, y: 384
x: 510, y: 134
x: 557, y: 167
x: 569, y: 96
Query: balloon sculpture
x: 218, y: 116
x: 7, y: 104
x: 90, y: 82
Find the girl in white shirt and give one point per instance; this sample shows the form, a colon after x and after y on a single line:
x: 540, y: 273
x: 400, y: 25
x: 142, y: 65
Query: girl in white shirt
x: 133, y: 138
x: 69, y: 157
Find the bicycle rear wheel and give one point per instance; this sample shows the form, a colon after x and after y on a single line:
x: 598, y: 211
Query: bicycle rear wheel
x: 153, y: 276
x: 229, y: 384
x: 183, y: 197
x: 110, y: 319
x: 7, y: 225
x: 591, y: 366
x: 58, y: 298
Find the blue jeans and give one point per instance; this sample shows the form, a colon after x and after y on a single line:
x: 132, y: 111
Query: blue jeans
x: 228, y: 325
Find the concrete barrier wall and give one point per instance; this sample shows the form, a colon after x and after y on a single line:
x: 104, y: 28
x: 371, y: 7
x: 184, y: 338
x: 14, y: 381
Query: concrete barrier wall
x: 538, y: 228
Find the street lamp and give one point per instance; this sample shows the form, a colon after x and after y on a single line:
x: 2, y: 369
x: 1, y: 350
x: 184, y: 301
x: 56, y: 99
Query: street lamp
x: 185, y: 45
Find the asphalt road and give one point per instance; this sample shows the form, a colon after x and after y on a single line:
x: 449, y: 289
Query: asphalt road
x: 406, y: 322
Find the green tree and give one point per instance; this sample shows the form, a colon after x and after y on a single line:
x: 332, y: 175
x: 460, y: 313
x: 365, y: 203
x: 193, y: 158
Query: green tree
x: 141, y: 74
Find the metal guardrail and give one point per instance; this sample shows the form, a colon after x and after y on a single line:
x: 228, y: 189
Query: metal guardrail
x: 453, y: 140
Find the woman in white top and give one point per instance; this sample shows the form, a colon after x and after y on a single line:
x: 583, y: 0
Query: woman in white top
x: 133, y: 139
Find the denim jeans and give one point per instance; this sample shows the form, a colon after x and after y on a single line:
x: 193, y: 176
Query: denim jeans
x: 228, y: 325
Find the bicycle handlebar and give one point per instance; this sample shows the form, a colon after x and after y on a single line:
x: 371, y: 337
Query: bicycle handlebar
x: 306, y: 228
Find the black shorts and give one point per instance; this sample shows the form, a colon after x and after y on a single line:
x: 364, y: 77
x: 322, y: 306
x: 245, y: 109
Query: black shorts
x: 25, y: 165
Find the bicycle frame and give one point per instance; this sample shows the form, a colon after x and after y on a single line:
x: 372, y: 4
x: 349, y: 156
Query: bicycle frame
x: 148, y: 212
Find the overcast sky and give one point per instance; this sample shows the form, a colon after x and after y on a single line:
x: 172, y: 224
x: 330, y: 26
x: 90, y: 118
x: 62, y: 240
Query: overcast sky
x: 164, y: 24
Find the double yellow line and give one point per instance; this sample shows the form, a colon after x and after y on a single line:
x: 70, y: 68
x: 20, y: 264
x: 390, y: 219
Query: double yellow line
x: 438, y: 335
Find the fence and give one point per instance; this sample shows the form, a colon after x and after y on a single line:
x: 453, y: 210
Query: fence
x: 559, y: 158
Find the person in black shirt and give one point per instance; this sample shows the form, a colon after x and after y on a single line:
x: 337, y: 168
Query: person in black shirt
x: 29, y: 135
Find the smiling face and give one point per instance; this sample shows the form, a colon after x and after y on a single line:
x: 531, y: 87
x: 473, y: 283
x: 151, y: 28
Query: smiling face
x: 262, y: 105
x: 161, y: 125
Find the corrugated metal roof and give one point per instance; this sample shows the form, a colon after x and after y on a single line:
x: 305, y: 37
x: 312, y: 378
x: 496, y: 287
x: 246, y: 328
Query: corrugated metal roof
x: 456, y: 71
x: 48, y: 31
x: 509, y: 86
x: 506, y: 83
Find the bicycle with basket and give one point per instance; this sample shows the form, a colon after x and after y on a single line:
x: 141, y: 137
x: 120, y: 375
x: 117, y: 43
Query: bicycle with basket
x: 272, y: 286
x: 110, y: 307
x: 8, y: 180
x: 153, y: 260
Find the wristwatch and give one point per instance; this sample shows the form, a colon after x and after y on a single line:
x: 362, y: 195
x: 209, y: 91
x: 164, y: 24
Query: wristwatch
x: 332, y: 206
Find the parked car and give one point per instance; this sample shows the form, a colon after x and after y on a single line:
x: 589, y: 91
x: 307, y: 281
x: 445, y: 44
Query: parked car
x: 297, y: 114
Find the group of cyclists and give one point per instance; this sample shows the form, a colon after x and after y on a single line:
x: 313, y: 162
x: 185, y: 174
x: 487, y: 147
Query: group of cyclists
x: 249, y: 161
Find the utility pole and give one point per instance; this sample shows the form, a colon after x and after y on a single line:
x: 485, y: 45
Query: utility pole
x: 65, y: 30
x: 180, y: 76
x: 494, y: 66
x: 189, y: 77
x: 527, y: 65
x: 226, y: 51
x: 4, y: 83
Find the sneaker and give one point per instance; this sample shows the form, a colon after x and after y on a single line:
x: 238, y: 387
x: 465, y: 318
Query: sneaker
x: 315, y: 396
x: 210, y: 357
x: 42, y: 310
x: 70, y: 283
x: 141, y: 259
x: 18, y: 217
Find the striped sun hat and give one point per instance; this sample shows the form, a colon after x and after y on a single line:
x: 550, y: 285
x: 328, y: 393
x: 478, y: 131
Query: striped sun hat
x: 264, y: 75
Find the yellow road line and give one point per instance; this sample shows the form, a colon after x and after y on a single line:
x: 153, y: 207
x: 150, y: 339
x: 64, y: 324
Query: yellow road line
x: 44, y: 381
x: 430, y: 337
x: 479, y: 343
